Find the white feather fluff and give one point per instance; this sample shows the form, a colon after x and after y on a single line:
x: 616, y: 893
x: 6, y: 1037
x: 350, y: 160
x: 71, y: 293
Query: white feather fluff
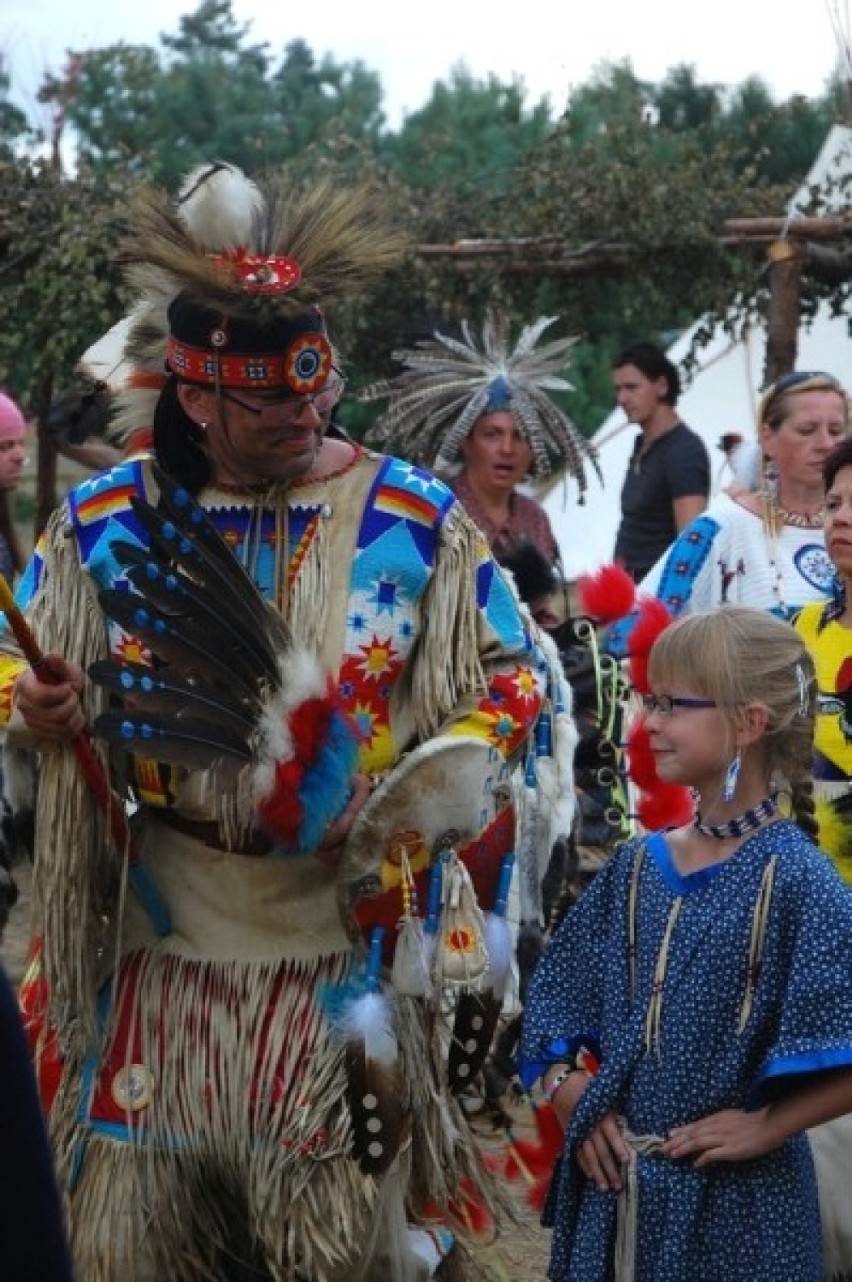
x: 218, y: 203
x: 368, y: 1019
x: 498, y: 945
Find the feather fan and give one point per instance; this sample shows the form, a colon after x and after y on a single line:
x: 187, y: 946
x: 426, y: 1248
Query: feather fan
x: 227, y: 684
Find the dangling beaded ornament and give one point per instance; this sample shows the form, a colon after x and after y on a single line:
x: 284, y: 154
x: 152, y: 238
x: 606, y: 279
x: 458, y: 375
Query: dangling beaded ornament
x: 410, y: 973
x: 732, y: 774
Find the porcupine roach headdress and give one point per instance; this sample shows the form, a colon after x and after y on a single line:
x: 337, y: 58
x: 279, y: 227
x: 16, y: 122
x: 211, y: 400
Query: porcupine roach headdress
x: 450, y: 381
x: 233, y: 279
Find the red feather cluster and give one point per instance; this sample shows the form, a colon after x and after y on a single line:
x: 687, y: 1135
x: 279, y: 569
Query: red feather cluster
x: 640, y: 759
x: 533, y: 1160
x: 467, y: 1211
x: 667, y: 806
x: 606, y: 595
x: 660, y: 805
x: 652, y: 618
x: 282, y: 811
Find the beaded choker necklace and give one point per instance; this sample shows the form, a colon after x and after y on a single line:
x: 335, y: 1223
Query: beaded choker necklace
x: 743, y: 823
x: 801, y: 520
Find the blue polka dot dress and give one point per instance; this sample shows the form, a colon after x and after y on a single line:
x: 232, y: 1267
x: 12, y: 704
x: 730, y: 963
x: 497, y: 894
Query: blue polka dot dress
x: 733, y: 1024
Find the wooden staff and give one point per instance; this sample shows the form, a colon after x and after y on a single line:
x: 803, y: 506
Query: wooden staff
x: 91, y: 768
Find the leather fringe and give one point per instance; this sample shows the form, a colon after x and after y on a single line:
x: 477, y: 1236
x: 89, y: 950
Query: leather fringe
x: 76, y: 872
x: 450, y: 666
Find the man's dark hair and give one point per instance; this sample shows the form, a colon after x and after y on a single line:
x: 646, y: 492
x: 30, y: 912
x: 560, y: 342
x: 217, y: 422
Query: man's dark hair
x: 532, y: 572
x: 651, y: 361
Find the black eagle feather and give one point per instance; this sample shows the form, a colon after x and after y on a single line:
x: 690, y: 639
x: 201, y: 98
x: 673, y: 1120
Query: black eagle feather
x: 187, y: 647
x: 179, y: 598
x: 184, y: 537
x: 147, y: 690
x: 184, y: 742
x: 474, y: 1026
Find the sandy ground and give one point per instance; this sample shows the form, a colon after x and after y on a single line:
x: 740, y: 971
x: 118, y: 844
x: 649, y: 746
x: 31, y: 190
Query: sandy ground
x: 519, y: 1254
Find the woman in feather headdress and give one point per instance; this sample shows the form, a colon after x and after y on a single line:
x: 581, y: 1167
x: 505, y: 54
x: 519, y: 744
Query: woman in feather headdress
x: 311, y: 682
x: 480, y: 413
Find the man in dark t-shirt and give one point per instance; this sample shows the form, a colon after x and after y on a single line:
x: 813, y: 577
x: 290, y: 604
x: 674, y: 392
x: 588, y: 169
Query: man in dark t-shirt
x: 668, y: 477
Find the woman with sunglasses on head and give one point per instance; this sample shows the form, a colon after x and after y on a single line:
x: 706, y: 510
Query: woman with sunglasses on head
x: 763, y: 548
x: 692, y: 1017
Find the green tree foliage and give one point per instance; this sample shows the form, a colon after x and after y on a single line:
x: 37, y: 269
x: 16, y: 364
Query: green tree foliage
x: 109, y: 101
x: 609, y: 217
x: 208, y: 93
x: 14, y: 127
x: 780, y: 140
x: 57, y: 271
x: 58, y: 282
x: 468, y: 138
x: 682, y: 104
x: 315, y: 100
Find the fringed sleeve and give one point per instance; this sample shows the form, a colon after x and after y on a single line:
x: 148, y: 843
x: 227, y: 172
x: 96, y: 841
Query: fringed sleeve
x: 449, y: 665
x: 477, y: 670
x: 76, y: 872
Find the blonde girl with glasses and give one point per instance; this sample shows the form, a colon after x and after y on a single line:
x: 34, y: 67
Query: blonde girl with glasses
x: 692, y: 1017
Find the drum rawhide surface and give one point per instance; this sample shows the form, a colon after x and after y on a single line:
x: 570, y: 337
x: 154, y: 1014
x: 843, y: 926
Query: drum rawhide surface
x: 452, y: 793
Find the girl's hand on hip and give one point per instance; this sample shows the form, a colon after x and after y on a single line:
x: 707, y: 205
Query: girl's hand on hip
x: 732, y: 1135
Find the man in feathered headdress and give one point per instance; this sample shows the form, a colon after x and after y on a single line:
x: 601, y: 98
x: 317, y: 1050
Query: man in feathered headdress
x: 481, y: 414
x: 311, y: 683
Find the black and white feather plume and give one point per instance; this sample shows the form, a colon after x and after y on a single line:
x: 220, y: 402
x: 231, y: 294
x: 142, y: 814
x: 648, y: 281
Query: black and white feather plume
x: 448, y: 383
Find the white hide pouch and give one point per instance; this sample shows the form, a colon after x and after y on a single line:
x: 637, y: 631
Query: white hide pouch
x: 460, y: 956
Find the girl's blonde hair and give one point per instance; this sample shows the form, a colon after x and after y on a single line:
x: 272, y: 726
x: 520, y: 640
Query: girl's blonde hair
x: 737, y: 656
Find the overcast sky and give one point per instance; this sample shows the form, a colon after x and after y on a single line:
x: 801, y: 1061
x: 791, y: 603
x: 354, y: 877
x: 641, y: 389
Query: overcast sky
x: 553, y: 45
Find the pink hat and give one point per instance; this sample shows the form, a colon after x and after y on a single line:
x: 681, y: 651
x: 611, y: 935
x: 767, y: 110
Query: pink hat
x: 12, y: 421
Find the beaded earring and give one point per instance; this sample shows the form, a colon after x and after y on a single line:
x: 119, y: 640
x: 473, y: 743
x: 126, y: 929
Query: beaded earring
x: 732, y: 774
x: 771, y: 480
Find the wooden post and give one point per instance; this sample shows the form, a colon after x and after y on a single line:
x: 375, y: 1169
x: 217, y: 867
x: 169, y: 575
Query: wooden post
x: 782, y: 321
